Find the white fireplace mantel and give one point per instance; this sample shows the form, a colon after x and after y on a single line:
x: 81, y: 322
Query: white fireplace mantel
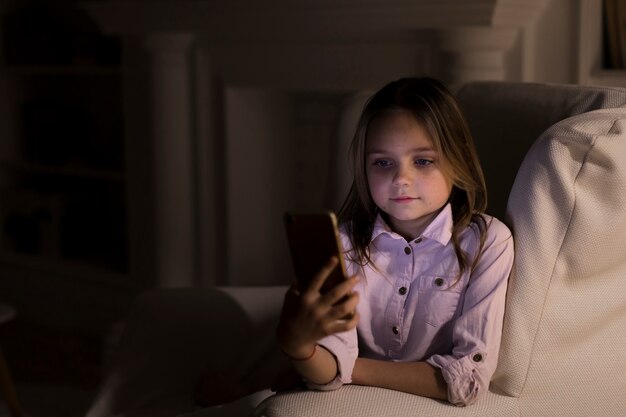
x: 245, y: 20
x: 276, y: 44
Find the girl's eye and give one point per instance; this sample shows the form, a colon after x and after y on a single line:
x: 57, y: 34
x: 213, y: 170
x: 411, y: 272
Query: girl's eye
x: 382, y: 163
x: 423, y: 162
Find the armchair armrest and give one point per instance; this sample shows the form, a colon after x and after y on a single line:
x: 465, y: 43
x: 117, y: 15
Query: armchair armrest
x: 174, y: 336
x: 362, y: 401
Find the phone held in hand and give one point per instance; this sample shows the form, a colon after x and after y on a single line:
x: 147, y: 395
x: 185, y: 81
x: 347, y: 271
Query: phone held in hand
x: 313, y: 239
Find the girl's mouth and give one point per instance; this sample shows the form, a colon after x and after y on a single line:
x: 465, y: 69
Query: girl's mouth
x: 403, y: 199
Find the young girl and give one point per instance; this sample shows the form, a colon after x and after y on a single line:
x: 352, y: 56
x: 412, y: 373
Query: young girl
x: 428, y: 270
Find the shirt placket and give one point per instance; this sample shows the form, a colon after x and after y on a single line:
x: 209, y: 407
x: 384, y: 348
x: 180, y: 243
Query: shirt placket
x: 395, y: 309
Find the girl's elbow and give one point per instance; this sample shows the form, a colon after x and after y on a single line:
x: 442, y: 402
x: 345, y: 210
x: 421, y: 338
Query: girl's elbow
x: 469, y: 392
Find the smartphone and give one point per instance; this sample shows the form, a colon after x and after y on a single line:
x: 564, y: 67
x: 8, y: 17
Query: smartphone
x: 313, y: 239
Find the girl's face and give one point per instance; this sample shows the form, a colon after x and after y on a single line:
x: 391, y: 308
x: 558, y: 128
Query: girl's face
x: 404, y: 172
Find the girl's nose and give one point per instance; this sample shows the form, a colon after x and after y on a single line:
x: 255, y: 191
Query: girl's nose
x: 402, y: 177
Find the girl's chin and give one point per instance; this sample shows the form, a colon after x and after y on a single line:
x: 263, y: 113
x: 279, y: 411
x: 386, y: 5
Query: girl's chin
x: 410, y: 218
x: 405, y: 219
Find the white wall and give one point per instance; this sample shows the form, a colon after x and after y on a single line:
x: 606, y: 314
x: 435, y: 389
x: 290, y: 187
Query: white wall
x: 260, y: 183
x: 553, y: 49
x: 281, y: 154
x: 321, y: 66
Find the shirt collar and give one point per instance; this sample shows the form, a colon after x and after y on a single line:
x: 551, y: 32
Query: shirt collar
x: 440, y: 229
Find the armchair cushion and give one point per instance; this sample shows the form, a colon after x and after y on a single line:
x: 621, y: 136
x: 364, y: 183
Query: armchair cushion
x: 563, y: 341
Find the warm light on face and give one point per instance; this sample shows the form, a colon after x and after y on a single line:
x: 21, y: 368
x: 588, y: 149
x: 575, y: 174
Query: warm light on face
x: 404, y: 172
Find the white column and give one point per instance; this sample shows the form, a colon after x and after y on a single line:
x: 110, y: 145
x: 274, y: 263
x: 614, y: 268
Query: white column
x: 170, y: 77
x: 475, y: 53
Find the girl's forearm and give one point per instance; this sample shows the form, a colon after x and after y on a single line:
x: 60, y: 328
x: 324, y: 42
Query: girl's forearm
x: 320, y: 369
x: 418, y: 378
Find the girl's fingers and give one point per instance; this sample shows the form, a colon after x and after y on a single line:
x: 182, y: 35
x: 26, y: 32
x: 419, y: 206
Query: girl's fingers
x: 340, y: 291
x: 339, y: 326
x: 320, y: 278
x: 345, y: 309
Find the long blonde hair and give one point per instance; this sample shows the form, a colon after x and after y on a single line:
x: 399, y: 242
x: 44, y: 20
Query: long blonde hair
x: 434, y: 106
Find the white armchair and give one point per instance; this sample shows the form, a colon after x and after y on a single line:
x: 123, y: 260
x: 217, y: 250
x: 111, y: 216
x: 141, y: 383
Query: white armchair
x: 563, y: 350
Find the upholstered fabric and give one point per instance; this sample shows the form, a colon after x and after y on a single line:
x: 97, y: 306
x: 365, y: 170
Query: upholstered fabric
x: 564, y: 342
x: 506, y: 118
x: 360, y: 401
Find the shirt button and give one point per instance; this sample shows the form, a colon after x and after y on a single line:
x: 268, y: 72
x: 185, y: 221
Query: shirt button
x: 402, y: 290
x: 395, y: 330
x: 477, y: 357
x: 407, y: 250
x: 439, y: 282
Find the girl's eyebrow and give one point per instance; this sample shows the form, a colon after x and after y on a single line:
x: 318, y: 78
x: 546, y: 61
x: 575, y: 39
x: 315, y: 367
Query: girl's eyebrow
x: 414, y: 150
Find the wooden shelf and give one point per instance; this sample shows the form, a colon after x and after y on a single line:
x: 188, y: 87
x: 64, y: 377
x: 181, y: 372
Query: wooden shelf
x: 64, y: 207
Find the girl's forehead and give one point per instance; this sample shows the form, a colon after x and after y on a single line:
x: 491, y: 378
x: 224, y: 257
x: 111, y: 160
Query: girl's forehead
x: 393, y: 128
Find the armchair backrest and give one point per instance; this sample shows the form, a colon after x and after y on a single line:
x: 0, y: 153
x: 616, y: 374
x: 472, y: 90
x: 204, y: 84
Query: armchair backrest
x: 505, y: 118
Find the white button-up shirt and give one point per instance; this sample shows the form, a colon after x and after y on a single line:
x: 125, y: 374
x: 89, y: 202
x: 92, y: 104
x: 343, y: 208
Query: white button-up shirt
x: 412, y: 308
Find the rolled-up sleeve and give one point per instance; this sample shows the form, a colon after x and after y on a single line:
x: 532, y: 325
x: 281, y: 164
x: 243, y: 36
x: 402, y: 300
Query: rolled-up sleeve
x: 476, y: 336
x: 344, y: 347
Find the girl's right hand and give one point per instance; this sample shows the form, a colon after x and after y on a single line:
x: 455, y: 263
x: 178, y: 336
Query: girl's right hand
x: 309, y: 316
